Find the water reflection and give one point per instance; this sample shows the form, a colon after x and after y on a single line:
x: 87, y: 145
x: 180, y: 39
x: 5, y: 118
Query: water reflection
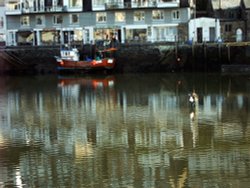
x: 124, y: 131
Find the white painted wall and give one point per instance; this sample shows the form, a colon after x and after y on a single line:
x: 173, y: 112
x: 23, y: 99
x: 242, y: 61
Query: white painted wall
x: 2, y: 24
x: 205, y: 24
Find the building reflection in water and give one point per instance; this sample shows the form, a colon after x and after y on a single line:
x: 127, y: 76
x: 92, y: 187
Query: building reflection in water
x: 124, y: 131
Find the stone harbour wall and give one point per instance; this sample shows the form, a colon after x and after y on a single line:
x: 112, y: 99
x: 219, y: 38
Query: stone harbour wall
x: 161, y: 57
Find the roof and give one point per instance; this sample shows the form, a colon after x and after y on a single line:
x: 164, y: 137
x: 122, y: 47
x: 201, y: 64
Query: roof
x: 247, y: 3
x: 225, y: 4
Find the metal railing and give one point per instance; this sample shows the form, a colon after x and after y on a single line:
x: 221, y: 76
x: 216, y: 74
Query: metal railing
x: 41, y: 9
x: 128, y: 5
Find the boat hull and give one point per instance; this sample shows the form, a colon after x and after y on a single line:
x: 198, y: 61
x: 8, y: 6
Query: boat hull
x: 102, y: 64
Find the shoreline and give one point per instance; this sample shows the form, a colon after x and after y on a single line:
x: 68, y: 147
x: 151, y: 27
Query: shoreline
x: 144, y: 57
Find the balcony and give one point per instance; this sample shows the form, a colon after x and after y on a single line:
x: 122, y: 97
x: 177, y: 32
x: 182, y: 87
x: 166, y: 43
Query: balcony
x: 55, y: 8
x: 168, y: 3
x: 13, y: 12
x: 13, y: 8
x: 146, y: 4
x: 41, y: 9
x: 127, y: 5
x: 112, y: 6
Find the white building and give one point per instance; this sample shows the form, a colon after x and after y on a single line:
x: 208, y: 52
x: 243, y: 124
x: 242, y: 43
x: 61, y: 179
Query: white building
x: 204, y: 30
x: 47, y: 22
x: 2, y: 23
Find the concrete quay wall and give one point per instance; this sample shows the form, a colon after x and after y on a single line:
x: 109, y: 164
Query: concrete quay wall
x: 161, y: 57
x: 169, y: 58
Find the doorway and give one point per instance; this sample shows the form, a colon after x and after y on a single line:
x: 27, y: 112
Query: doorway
x: 199, y: 35
x: 211, y: 34
x: 239, y: 33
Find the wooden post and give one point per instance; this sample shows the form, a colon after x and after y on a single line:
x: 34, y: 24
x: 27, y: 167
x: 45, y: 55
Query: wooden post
x: 219, y: 49
x: 205, y: 54
x: 176, y: 50
x: 193, y: 54
x: 228, y: 54
x: 193, y: 49
x: 205, y: 50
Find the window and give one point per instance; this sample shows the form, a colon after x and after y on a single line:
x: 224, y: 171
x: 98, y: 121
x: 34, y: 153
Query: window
x: 136, y: 34
x: 75, y: 3
x: 57, y: 19
x: 157, y: 14
x: 166, y: 34
x: 74, y: 18
x: 139, y: 16
x: 59, y: 3
x: 120, y: 17
x: 1, y: 23
x: 40, y: 20
x: 98, y: 2
x: 140, y: 3
x: 176, y: 15
x: 231, y: 14
x: 228, y: 28
x: 25, y: 21
x: 78, y: 35
x: 101, y: 17
x: 12, y: 5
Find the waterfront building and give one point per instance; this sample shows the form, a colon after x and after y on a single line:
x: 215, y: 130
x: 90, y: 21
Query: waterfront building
x: 47, y: 22
x: 231, y: 19
x: 246, y: 15
x: 2, y: 24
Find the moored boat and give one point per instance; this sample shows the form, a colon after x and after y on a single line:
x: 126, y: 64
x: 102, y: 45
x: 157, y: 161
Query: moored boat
x: 70, y: 60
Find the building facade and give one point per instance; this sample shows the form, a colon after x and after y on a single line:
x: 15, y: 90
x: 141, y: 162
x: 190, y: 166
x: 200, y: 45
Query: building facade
x: 55, y: 22
x: 2, y: 24
x: 231, y: 19
x: 245, y: 4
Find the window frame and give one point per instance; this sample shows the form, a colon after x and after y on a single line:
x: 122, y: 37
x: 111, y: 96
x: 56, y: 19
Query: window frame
x: 42, y: 20
x: 121, y: 13
x: 141, y: 16
x: 55, y: 19
x: 101, y: 17
x: 228, y: 28
x: 161, y: 15
x: 24, y: 19
x: 176, y: 15
x: 71, y: 19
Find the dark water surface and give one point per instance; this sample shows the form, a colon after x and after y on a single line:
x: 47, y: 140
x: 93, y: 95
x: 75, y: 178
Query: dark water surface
x: 133, y: 130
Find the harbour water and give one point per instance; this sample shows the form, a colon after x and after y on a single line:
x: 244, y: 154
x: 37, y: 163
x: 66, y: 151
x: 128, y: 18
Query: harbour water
x: 130, y: 130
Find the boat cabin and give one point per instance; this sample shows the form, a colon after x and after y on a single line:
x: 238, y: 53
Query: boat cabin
x: 70, y: 54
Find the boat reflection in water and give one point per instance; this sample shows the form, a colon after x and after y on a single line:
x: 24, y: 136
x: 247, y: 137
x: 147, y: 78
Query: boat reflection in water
x: 95, y: 82
x: 130, y: 130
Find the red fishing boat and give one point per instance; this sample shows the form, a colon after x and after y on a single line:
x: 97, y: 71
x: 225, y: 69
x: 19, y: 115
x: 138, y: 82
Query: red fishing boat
x: 70, y: 60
